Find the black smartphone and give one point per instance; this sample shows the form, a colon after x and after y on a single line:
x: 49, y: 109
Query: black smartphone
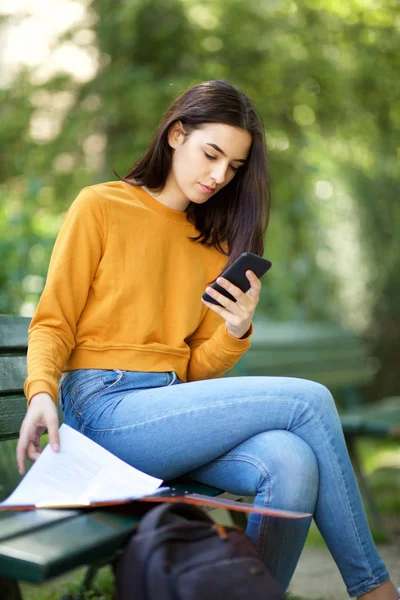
x: 236, y: 274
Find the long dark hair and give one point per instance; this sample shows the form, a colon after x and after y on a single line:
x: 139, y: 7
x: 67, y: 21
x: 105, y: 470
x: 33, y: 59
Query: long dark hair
x: 237, y: 216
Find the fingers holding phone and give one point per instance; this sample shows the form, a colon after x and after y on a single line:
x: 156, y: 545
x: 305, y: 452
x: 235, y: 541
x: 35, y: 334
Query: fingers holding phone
x: 255, y: 285
x: 233, y: 304
x: 236, y: 274
x: 231, y: 296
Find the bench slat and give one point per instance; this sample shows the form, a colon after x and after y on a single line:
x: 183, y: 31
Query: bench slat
x: 13, y: 523
x: 289, y: 363
x: 53, y: 550
x: 355, y: 426
x: 305, y: 353
x: 289, y: 334
x: 12, y: 411
x: 323, y: 373
x: 40, y: 544
x: 12, y: 373
x: 379, y: 419
x: 13, y: 332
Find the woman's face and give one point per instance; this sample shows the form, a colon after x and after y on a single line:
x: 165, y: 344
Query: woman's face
x: 205, y: 160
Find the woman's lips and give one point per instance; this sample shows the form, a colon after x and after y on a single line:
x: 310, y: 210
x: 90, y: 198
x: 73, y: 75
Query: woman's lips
x: 206, y: 189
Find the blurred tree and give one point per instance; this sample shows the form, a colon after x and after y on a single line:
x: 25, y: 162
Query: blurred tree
x: 323, y: 76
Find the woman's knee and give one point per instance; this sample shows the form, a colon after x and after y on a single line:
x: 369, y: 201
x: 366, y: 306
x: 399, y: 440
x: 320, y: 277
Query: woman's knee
x: 288, y: 469
x: 318, y: 397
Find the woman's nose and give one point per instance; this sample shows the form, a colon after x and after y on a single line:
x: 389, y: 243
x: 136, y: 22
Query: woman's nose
x: 219, y: 173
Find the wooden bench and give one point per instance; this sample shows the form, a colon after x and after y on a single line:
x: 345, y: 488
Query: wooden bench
x: 36, y: 546
x: 337, y: 358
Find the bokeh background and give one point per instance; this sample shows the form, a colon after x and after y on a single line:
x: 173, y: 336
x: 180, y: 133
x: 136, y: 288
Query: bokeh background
x: 84, y: 83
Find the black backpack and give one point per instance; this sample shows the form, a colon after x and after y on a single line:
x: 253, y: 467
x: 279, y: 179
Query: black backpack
x: 179, y: 553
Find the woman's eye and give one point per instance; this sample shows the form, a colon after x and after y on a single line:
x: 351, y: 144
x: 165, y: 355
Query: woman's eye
x: 210, y: 157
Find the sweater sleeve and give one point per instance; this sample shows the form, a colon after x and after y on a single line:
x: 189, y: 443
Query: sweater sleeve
x: 213, y: 350
x: 75, y: 257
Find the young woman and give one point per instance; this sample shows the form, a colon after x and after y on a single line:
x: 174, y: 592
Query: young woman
x: 122, y: 323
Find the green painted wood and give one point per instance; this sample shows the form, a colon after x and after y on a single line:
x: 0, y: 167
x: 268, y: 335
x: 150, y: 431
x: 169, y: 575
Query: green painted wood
x: 325, y: 374
x: 13, y: 332
x: 50, y: 551
x: 308, y: 362
x: 12, y: 373
x: 12, y: 411
x: 272, y: 334
x: 328, y: 348
x: 379, y: 419
x: 183, y: 485
x: 356, y: 426
x: 38, y: 545
x: 321, y: 352
x: 306, y: 353
x: 15, y: 523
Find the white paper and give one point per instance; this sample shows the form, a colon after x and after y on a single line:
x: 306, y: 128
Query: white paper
x: 82, y: 472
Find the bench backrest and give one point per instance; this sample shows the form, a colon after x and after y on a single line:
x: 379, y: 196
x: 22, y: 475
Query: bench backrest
x: 322, y: 352
x: 13, y: 348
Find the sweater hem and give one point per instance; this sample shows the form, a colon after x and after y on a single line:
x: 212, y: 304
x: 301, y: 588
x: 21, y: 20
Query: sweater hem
x: 128, y: 360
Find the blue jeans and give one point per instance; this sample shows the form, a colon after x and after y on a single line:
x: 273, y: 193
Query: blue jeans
x: 278, y: 439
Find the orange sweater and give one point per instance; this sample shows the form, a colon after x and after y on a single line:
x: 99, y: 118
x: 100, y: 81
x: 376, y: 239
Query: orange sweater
x: 123, y: 292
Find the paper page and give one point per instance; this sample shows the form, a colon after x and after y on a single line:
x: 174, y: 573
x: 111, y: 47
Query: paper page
x: 80, y: 473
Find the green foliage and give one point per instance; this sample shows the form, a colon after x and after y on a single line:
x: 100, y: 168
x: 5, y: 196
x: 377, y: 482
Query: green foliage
x: 10, y: 477
x: 323, y: 75
x: 27, y: 232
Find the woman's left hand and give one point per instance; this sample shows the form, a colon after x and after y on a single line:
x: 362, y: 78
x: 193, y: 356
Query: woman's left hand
x: 238, y: 315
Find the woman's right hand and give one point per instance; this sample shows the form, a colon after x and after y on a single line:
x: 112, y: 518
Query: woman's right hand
x: 41, y: 415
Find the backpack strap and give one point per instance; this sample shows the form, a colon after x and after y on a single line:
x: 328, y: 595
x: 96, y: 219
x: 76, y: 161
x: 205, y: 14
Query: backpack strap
x: 161, y: 515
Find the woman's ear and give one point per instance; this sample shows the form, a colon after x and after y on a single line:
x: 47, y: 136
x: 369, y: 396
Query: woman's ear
x: 176, y: 134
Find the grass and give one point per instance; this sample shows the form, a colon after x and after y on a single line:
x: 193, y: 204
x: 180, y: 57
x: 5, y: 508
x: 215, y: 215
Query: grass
x: 381, y: 460
x: 70, y: 585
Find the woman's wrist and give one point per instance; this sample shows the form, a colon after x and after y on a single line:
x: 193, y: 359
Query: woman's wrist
x: 239, y: 335
x: 40, y: 397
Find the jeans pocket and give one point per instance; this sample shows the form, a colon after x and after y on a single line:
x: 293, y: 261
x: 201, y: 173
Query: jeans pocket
x: 80, y: 386
x: 174, y: 378
x: 112, y: 378
x: 88, y: 380
x: 96, y: 383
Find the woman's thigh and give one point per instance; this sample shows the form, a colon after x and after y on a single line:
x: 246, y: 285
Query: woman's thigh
x: 173, y: 429
x: 277, y: 467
